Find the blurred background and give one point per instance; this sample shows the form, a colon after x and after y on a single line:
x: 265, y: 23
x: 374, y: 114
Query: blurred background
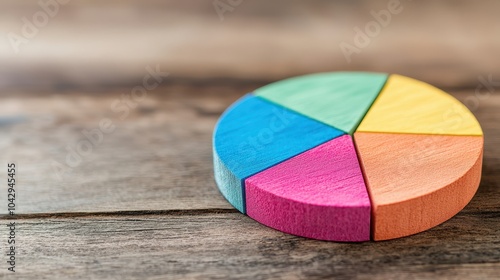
x: 96, y: 44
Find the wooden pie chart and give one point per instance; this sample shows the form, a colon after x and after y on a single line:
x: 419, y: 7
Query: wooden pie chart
x: 348, y: 156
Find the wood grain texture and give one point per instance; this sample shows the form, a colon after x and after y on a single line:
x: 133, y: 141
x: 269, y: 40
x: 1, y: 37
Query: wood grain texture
x: 160, y: 152
x: 95, y: 225
x: 318, y: 194
x: 230, y: 186
x: 406, y: 105
x: 231, y: 245
x: 254, y: 134
x: 339, y: 99
x: 94, y: 51
x: 416, y: 182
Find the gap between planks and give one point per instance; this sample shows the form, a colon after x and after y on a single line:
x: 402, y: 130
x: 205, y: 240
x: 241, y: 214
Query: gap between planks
x: 175, y: 212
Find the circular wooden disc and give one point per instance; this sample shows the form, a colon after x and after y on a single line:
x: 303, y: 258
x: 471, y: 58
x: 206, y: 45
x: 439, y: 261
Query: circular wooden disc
x: 348, y: 156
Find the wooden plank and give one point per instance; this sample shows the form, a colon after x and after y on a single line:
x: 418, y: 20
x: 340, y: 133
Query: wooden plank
x: 219, y: 245
x: 160, y: 154
x: 119, y: 239
x: 158, y: 157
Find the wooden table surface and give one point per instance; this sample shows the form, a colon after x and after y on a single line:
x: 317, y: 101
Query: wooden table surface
x: 143, y: 204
